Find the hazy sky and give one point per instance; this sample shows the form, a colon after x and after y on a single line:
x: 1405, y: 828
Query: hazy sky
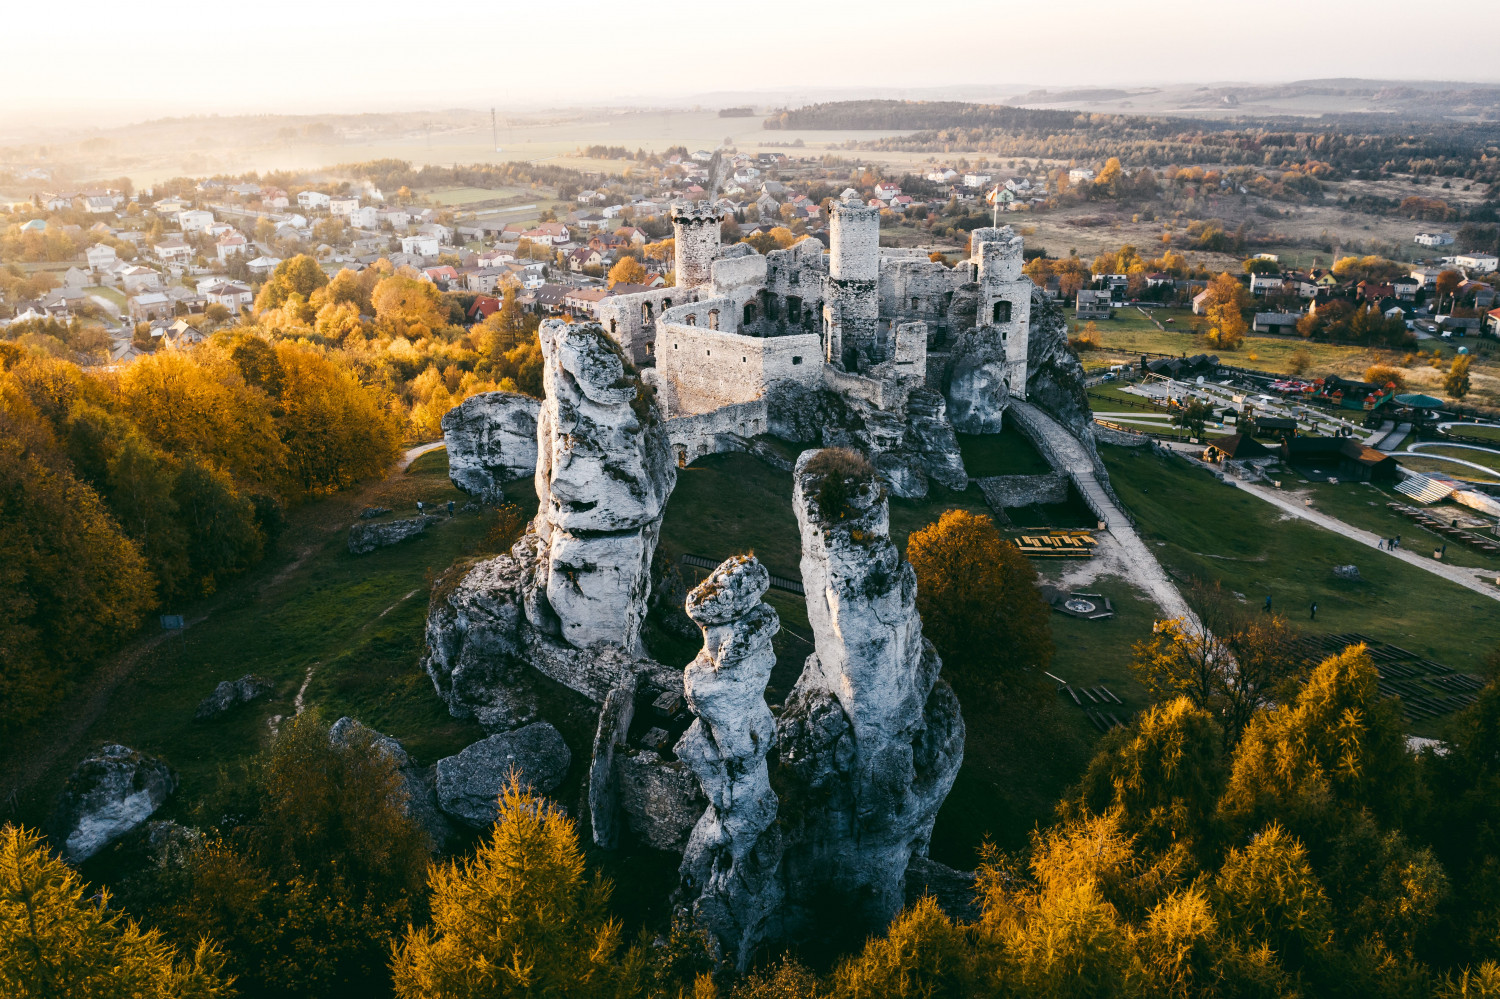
x: 107, y: 58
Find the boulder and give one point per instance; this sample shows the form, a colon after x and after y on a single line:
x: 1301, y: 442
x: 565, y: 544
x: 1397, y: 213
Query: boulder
x: 365, y: 538
x: 1054, y: 374
x: 977, y: 393
x: 107, y: 796
x: 1349, y: 572
x: 469, y: 784
x: 491, y: 440
x: 731, y: 864
x: 228, y: 693
x: 419, y: 802
x: 659, y: 798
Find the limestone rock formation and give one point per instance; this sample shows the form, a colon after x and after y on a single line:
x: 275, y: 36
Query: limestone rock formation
x: 365, y: 538
x: 870, y: 737
x: 1054, y: 375
x: 491, y: 440
x: 909, y: 443
x: 421, y: 804
x: 615, y: 716
x: 468, y: 784
x: 107, y: 796
x: 603, y: 474
x: 228, y: 693
x: 731, y: 865
x: 977, y: 392
x: 660, y: 799
x: 569, y: 599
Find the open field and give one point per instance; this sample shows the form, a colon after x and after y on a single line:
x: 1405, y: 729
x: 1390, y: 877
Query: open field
x: 1200, y: 527
x: 348, y: 630
x: 1478, y: 430
x: 466, y: 197
x: 1452, y: 470
x: 1364, y: 506
x: 1490, y: 459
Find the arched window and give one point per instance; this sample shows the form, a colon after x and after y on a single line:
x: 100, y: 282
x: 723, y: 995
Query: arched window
x: 713, y: 319
x: 750, y: 313
x: 666, y: 304
x: 645, y: 312
x: 1001, y: 313
x: 692, y: 320
x: 611, y: 327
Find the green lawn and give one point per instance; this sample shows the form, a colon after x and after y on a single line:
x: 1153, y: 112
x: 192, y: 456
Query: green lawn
x: 1479, y: 431
x: 1489, y: 459
x: 354, y: 624
x: 1364, y: 505
x: 111, y: 294
x: 1005, y: 453
x: 1451, y: 469
x: 465, y: 196
x: 1201, y: 527
x: 1108, y: 398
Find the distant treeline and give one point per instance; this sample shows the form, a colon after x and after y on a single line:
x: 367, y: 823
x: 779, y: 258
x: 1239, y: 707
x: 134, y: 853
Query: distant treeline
x: 1373, y: 144
x: 391, y: 175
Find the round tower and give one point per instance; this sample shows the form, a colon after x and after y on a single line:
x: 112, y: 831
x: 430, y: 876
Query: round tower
x: 854, y: 242
x: 695, y: 231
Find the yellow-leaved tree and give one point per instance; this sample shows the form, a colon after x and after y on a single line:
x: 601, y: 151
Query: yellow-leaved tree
x: 521, y: 917
x: 627, y: 270
x: 60, y: 941
x: 1225, y: 310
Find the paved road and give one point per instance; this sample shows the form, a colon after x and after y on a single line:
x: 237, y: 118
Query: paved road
x: 1143, y: 568
x: 1473, y: 579
x: 412, y: 454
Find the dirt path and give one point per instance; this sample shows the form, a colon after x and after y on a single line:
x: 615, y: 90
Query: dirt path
x: 35, y: 751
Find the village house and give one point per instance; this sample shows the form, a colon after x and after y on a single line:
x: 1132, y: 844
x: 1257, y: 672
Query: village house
x: 1435, y: 238
x: 74, y: 277
x: 99, y: 256
x: 231, y: 244
x: 483, y: 279
x: 343, y: 204
x: 420, y: 245
x: 584, y: 301
x: 139, y: 278
x: 274, y: 200
x: 312, y: 200
x: 444, y: 276
x: 1276, y: 322
x: 1093, y: 304
x: 584, y: 256
x: 262, y: 266
x: 1480, y: 263
x: 555, y: 233
x: 150, y: 305
x: 366, y: 217
x: 231, y: 295
x: 194, y: 220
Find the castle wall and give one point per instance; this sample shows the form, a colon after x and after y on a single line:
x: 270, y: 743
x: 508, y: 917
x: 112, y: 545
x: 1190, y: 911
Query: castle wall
x: 851, y: 309
x: 700, y: 370
x: 630, y: 320
x: 695, y: 229
x: 692, y: 437
x: 731, y: 273
x: 1004, y: 299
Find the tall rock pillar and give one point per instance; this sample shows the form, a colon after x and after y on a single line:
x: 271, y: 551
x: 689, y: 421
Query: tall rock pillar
x: 730, y: 866
x: 870, y: 738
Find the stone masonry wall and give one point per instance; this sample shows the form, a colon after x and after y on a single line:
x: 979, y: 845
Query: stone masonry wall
x: 630, y: 320
x: 700, y: 370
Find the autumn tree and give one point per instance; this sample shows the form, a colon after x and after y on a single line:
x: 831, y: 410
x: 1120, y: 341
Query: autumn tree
x: 1456, y: 382
x: 520, y: 917
x: 1225, y: 307
x: 299, y: 275
x: 1447, y: 285
x: 335, y: 431
x: 979, y: 602
x: 1384, y: 374
x: 627, y: 270
x: 408, y: 306
x: 1300, y: 360
x: 59, y: 940
x: 320, y: 868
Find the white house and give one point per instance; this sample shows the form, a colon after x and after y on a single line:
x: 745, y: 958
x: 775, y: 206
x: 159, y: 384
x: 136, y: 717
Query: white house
x: 99, y: 204
x: 1267, y: 284
x: 947, y: 175
x: 1435, y: 238
x: 312, y: 200
x: 343, y: 204
x: 1080, y: 175
x: 139, y: 279
x: 443, y: 234
x: 396, y: 218
x: 231, y: 244
x: 194, y: 220
x: 1482, y: 263
x: 367, y: 217
x: 100, y: 256
x: 173, y: 250
x: 420, y: 245
x: 262, y: 266
x: 977, y: 180
x: 76, y: 278
x: 150, y: 305
x: 230, y: 295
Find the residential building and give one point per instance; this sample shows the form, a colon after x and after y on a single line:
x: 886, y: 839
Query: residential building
x: 1093, y: 304
x: 1276, y: 322
x: 75, y: 277
x: 445, y: 276
x: 231, y: 244
x: 1406, y: 288
x: 555, y: 233
x: 1435, y: 238
x: 1267, y: 284
x: 312, y: 200
x: 150, y: 305
x: 420, y: 245
x: 977, y: 180
x: 1427, y: 276
x: 194, y: 220
x: 262, y: 266
x: 367, y: 217
x: 584, y: 301
x: 99, y: 256
x: 1081, y: 175
x: 229, y: 294
x: 1480, y: 263
x: 139, y: 278
x: 343, y: 204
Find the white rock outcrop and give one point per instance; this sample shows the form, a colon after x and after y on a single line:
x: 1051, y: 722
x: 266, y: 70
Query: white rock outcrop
x: 603, y: 474
x: 106, y: 796
x: 491, y: 440
x: 730, y: 868
x: 569, y: 598
x: 870, y: 737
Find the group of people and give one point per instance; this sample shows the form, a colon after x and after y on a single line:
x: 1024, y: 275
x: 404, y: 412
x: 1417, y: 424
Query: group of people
x: 1390, y: 544
x: 1314, y: 609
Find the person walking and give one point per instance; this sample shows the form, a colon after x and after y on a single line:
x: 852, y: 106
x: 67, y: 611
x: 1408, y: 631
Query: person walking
x: 419, y: 507
x: 1315, y: 610
x: 450, y: 508
x: 1267, y: 608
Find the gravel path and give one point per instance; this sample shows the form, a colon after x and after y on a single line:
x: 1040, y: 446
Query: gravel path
x: 1140, y: 565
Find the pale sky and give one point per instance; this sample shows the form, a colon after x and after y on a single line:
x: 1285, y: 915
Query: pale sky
x: 111, y: 59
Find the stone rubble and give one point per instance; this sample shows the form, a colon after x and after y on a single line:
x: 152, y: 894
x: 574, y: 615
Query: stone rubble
x: 365, y: 538
x: 228, y: 693
x: 491, y: 440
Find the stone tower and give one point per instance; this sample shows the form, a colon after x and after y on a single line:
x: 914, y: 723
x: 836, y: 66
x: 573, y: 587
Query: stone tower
x: 1004, y: 299
x: 695, y: 230
x: 851, y: 299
